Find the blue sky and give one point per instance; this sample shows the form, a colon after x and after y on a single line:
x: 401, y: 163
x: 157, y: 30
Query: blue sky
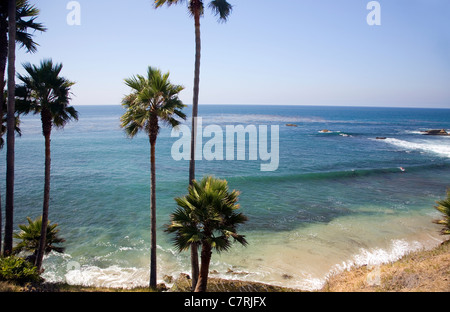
x: 290, y: 52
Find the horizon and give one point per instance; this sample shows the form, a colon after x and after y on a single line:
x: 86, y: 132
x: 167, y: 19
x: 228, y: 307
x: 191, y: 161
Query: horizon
x: 318, y: 53
x: 291, y: 105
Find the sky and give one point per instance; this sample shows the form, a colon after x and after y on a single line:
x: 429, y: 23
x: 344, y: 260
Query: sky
x: 284, y: 52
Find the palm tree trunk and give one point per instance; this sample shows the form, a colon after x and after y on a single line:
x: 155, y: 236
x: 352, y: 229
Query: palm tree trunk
x: 153, y: 214
x: 196, y: 93
x: 9, y: 210
x: 194, y: 266
x: 1, y: 215
x: 3, y: 54
x: 3, y: 60
x: 46, y: 125
x: 194, y: 247
x: 204, y: 269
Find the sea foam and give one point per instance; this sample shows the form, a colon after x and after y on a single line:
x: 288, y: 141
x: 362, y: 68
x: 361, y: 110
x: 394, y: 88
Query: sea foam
x: 440, y: 148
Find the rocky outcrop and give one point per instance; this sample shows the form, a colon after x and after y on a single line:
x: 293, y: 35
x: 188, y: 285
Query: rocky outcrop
x: 435, y: 132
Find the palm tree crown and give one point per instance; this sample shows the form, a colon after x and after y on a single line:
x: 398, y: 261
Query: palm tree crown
x: 207, y: 214
x: 220, y: 8
x: 44, y: 91
x: 153, y: 99
x: 30, y: 236
x: 207, y: 217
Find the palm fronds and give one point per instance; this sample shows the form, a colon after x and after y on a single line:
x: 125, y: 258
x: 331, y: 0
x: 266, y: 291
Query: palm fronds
x: 443, y: 206
x: 30, y: 235
x: 153, y: 98
x: 44, y: 89
x: 208, y: 213
x: 220, y: 8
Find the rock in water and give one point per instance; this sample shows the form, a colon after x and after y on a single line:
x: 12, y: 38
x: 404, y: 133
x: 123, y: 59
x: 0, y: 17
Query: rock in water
x: 435, y: 132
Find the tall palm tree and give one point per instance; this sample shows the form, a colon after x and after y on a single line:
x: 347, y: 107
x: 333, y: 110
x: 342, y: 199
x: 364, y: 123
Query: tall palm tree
x: 15, y: 28
x: 7, y: 248
x: 46, y: 93
x: 222, y: 9
x: 207, y: 216
x: 153, y: 100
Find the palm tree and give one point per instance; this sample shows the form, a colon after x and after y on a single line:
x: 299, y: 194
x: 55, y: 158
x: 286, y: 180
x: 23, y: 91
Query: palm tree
x: 443, y: 206
x: 30, y: 237
x: 207, y: 216
x: 16, y: 28
x: 153, y: 100
x: 46, y: 93
x: 222, y: 9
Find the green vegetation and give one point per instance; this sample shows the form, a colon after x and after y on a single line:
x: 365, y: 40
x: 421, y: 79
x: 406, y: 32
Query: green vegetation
x: 17, y: 270
x: 443, y: 206
x: 30, y: 237
x: 153, y: 100
x: 207, y: 217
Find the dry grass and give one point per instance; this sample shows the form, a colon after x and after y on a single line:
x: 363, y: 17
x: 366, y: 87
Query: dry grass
x: 8, y: 287
x: 423, y: 271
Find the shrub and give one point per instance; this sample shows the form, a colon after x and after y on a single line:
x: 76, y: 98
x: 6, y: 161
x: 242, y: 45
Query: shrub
x: 17, y: 270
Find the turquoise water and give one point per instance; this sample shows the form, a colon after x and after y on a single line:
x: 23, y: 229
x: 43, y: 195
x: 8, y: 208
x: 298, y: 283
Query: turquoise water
x: 336, y: 199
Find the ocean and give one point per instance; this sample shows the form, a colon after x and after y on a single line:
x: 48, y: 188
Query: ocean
x: 338, y: 198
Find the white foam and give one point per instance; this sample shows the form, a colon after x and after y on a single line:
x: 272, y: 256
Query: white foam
x: 378, y: 256
x: 441, y: 147
x: 414, y: 132
x: 113, y: 276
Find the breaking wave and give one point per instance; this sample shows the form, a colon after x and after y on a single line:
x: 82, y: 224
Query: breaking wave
x: 441, y: 147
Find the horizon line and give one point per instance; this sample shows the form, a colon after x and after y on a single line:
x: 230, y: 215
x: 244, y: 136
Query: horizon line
x: 304, y: 105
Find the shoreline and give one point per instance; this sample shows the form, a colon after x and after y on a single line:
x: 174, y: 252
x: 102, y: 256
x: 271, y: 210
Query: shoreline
x: 426, y: 270
x: 419, y: 271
